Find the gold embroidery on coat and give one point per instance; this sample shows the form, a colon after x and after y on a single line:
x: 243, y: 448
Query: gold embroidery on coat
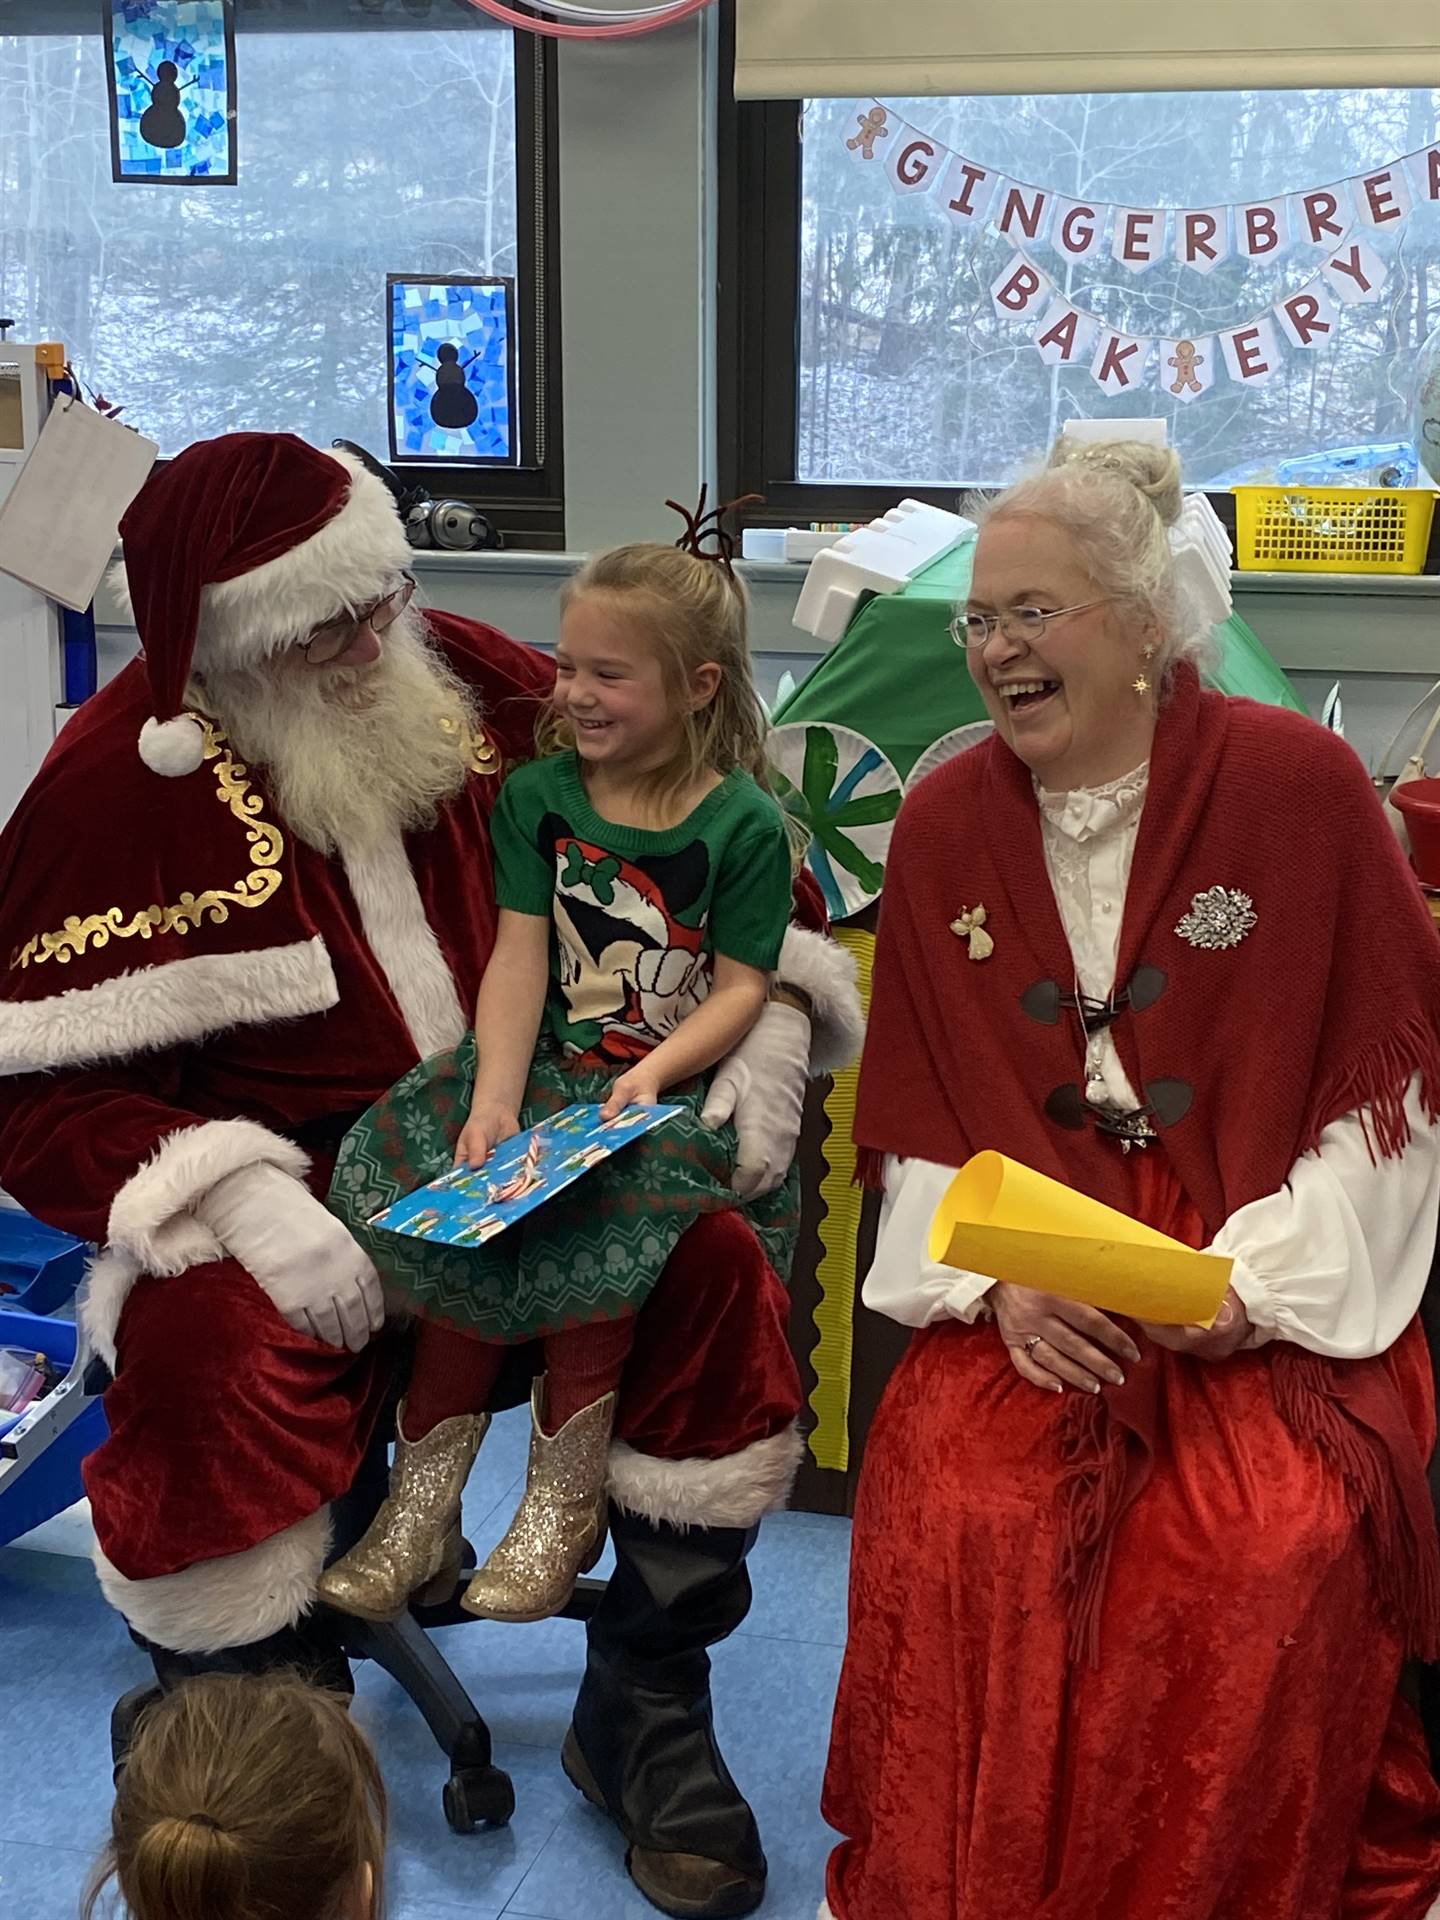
x: 259, y: 885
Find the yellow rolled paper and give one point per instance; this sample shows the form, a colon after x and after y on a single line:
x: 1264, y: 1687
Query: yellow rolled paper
x: 1006, y: 1220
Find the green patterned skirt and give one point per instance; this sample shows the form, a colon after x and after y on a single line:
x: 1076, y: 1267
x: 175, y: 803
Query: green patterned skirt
x: 592, y: 1253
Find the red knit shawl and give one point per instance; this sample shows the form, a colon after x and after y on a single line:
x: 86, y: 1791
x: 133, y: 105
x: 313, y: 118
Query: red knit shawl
x: 1329, y: 1004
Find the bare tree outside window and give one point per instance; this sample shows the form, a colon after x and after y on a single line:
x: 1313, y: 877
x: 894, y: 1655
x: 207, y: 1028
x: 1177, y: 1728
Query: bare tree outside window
x: 261, y: 306
x: 906, y: 374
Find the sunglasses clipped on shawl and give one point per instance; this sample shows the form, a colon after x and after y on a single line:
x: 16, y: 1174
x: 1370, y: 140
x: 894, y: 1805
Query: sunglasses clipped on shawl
x: 329, y: 641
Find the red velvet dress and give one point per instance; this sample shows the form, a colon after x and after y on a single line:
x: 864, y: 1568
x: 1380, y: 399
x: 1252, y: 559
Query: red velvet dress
x: 1239, y: 1753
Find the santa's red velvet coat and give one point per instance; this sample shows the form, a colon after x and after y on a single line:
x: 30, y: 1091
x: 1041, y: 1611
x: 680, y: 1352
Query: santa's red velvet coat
x: 186, y: 988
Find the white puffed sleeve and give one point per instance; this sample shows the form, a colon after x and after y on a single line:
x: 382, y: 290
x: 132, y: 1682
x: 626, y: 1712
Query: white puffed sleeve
x: 1337, y: 1260
x: 904, y: 1283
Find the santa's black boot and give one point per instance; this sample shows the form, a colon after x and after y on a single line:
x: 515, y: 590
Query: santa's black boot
x: 642, y: 1744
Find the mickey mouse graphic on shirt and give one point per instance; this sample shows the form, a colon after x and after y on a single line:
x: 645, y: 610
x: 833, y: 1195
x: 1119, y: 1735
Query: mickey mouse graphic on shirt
x: 629, y: 970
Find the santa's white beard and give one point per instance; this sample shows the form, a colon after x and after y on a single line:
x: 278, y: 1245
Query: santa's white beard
x: 351, y: 754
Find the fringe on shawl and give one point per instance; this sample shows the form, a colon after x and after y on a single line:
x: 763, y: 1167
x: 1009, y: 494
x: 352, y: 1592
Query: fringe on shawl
x: 1096, y: 1489
x: 1375, y: 1086
x: 870, y: 1168
x: 1399, y: 1524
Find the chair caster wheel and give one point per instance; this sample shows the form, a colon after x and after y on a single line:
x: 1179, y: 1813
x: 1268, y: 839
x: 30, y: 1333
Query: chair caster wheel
x: 124, y: 1719
x: 478, y: 1797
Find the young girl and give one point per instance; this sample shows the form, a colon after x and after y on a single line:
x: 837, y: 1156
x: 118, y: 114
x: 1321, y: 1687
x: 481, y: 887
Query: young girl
x: 247, y: 1799
x: 644, y: 884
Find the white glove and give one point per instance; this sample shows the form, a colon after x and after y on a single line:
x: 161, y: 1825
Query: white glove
x: 761, y: 1087
x: 304, y: 1258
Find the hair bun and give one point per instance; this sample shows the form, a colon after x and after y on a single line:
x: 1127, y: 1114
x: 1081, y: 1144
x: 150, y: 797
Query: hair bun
x: 1152, y: 471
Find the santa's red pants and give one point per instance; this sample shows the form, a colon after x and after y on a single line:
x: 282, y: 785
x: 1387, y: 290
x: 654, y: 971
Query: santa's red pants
x: 227, y: 1426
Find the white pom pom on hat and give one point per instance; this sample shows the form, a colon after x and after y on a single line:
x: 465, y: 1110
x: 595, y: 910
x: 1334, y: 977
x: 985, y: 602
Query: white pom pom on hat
x: 173, y: 747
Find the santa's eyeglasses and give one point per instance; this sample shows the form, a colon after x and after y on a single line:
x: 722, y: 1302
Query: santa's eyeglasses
x: 329, y: 641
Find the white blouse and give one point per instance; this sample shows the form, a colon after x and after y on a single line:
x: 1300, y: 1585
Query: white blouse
x: 1336, y: 1260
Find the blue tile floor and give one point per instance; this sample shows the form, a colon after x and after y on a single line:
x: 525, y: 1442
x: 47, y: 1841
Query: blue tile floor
x: 65, y: 1658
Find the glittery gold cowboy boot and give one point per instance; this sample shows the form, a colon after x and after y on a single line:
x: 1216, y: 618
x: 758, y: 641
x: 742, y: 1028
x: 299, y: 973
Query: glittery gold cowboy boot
x: 413, y: 1545
x: 559, y: 1531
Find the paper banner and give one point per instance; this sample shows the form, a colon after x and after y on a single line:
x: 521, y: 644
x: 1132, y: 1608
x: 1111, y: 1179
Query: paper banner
x: 1356, y: 274
x: 1187, y: 367
x: 1424, y: 171
x: 1262, y: 229
x: 1321, y: 218
x: 1019, y: 289
x: 1202, y: 238
x: 1139, y: 237
x: 1120, y: 361
x: 1021, y: 213
x: 968, y: 192
x: 1064, y: 334
x: 1005, y: 1220
x: 1077, y: 228
x: 869, y: 134
x: 1252, y: 352
x: 914, y: 163
x: 1384, y: 198
x: 1308, y: 318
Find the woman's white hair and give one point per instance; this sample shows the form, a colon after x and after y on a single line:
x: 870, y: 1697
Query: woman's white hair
x: 1116, y: 501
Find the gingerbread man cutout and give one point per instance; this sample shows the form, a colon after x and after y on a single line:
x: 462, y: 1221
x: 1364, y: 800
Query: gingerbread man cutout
x: 1185, y: 360
x: 872, y: 128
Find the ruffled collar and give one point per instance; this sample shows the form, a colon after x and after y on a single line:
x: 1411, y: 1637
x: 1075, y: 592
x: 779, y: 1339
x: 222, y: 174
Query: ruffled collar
x: 1084, y: 812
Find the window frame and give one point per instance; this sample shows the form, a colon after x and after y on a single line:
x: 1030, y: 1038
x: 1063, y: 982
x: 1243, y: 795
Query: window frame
x: 761, y: 159
x: 525, y: 503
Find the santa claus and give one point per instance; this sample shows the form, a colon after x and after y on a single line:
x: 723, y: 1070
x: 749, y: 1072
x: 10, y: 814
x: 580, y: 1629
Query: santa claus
x: 250, y: 887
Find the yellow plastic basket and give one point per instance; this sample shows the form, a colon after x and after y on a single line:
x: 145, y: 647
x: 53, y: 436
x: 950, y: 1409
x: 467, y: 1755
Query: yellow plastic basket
x: 1332, y: 529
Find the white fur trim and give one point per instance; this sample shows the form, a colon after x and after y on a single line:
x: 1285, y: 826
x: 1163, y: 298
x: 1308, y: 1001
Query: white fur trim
x: 225, y: 1603
x: 172, y: 1005
x: 150, y: 1217
x: 348, y: 563
x: 351, y: 561
x: 111, y: 1276
x: 737, y: 1491
x: 173, y: 747
x: 824, y: 970
x: 403, y: 941
x: 825, y: 1913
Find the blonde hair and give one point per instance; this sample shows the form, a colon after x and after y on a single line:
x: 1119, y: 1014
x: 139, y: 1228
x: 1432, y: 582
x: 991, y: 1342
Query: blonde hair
x: 246, y: 1798
x: 696, y: 611
x: 1116, y: 501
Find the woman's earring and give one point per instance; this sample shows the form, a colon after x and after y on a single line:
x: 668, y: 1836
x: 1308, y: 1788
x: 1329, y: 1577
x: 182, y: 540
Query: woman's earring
x: 1141, y: 683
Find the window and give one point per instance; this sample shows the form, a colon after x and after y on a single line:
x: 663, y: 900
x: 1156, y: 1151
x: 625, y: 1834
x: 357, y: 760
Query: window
x: 389, y: 137
x: 865, y: 328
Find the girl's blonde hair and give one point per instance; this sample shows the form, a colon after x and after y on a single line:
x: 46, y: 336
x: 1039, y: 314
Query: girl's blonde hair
x: 246, y: 1798
x: 696, y: 611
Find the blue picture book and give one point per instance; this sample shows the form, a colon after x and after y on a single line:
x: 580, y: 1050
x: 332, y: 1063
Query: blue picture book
x: 469, y: 1205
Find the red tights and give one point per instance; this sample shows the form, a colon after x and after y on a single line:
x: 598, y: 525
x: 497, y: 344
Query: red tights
x: 454, y: 1373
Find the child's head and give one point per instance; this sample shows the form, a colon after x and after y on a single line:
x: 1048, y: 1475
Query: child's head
x: 247, y: 1799
x: 654, y: 666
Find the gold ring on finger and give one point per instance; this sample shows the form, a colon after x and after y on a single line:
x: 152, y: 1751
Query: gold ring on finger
x: 1031, y: 1344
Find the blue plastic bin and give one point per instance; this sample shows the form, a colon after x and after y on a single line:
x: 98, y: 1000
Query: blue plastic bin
x: 40, y: 1268
x: 35, y: 1488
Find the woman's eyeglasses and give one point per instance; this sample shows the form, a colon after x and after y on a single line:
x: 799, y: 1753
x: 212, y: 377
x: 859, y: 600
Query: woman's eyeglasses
x: 1027, y: 624
x: 329, y: 641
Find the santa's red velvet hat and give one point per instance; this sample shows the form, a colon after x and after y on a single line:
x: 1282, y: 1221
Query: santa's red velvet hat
x: 236, y: 548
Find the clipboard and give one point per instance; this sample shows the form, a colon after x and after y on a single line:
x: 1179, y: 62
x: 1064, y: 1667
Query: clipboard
x: 60, y: 520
